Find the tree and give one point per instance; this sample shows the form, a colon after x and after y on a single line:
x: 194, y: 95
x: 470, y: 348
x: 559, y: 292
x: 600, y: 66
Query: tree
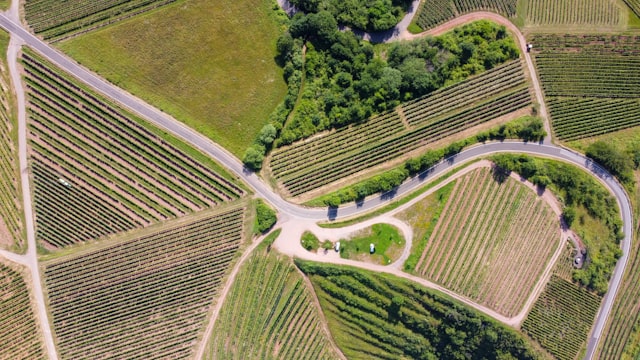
x: 618, y: 163
x: 253, y: 158
x: 267, y: 135
x: 265, y: 217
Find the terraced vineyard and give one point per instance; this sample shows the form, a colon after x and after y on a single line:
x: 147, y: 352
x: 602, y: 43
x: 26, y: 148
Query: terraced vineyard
x: 313, y: 163
x: 98, y: 171
x: 436, y: 12
x: 562, y: 317
x: 482, y: 244
x: 269, y: 314
x: 11, y: 223
x: 601, y: 13
x: 146, y: 297
x: 381, y: 316
x: 53, y: 19
x: 591, y: 83
x: 20, y: 336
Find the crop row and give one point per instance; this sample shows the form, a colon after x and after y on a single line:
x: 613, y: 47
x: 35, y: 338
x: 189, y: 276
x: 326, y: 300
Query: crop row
x: 480, y: 247
x: 562, y: 317
x: 101, y: 153
x: 436, y: 12
x: 10, y: 206
x: 52, y: 19
x: 573, y: 12
x: 587, y: 44
x: 146, y: 297
x: 20, y: 337
x: 311, y: 174
x: 576, y: 118
x: 634, y: 5
x: 269, y: 313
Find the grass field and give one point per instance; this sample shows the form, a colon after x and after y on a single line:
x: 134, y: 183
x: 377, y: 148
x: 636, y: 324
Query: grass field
x: 11, y: 219
x: 20, y: 336
x: 98, y: 170
x: 210, y: 64
x: 54, y: 19
x: 387, y: 239
x: 331, y: 156
x: 591, y: 82
x: 491, y: 243
x: 436, y: 12
x: 270, y: 313
x: 384, y: 317
x: 575, y: 14
x: 145, y: 297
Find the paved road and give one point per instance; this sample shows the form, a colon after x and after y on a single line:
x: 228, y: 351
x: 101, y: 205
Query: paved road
x: 207, y: 146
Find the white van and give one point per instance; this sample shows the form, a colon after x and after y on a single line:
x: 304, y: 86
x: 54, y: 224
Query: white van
x: 337, y: 247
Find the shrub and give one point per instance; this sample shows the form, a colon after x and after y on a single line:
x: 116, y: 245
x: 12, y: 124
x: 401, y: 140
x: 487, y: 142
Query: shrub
x: 265, y: 217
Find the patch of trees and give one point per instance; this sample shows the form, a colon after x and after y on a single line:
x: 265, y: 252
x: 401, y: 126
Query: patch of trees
x: 266, y: 217
x: 576, y: 188
x: 617, y: 162
x: 368, y: 15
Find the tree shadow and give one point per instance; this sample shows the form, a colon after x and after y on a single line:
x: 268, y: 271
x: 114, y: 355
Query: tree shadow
x: 499, y: 174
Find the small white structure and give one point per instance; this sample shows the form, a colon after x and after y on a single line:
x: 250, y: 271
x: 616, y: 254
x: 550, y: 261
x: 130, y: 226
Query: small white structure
x: 64, y: 182
x: 337, y: 247
x: 372, y: 248
x: 529, y: 47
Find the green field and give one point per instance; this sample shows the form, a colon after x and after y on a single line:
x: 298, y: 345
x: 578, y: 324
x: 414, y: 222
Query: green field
x: 20, y: 335
x: 98, y: 170
x: 269, y: 313
x: 384, y: 317
x: 11, y: 219
x: 482, y: 242
x: 575, y: 14
x: 387, y: 239
x: 143, y: 297
x: 210, y: 64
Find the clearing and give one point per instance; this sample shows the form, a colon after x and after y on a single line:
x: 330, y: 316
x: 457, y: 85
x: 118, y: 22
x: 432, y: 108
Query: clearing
x: 387, y: 239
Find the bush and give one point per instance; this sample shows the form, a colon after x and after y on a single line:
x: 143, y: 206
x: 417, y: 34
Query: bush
x: 265, y: 217
x: 253, y: 157
x: 310, y: 241
x: 616, y: 162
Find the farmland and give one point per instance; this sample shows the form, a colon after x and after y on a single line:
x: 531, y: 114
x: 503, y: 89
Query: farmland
x: 270, y: 313
x: 591, y: 82
x: 207, y: 63
x: 98, y: 170
x: 575, y: 13
x: 634, y: 5
x: 562, y: 317
x: 311, y: 164
x: 20, y: 337
x: 436, y: 12
x: 382, y: 316
x: 11, y: 221
x: 54, y: 19
x: 146, y: 297
x: 482, y: 243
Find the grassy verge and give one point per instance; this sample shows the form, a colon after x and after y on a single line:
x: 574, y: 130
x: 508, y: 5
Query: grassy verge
x: 208, y: 63
x: 387, y: 240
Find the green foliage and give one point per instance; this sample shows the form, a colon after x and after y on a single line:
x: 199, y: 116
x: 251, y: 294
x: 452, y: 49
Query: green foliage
x: 577, y: 188
x: 383, y: 236
x: 266, y: 217
x: 369, y: 15
x: 370, y: 313
x: 309, y: 241
x: 253, y: 157
x: 616, y: 162
x: 436, y: 12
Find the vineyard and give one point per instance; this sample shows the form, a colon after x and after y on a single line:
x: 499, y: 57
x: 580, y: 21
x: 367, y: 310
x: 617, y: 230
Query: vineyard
x: 269, y: 314
x: 634, y: 5
x: 20, y: 336
x: 53, y: 19
x: 381, y: 316
x: 436, y: 12
x: 98, y: 171
x: 11, y: 230
x: 483, y: 243
x: 143, y: 298
x: 600, y: 13
x: 591, y: 83
x: 562, y: 317
x: 313, y: 163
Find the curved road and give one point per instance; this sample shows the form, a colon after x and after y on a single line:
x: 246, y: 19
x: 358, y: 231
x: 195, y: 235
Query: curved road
x: 207, y: 146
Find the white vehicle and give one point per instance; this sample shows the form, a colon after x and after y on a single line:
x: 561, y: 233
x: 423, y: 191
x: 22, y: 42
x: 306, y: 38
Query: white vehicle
x: 372, y: 248
x: 337, y: 247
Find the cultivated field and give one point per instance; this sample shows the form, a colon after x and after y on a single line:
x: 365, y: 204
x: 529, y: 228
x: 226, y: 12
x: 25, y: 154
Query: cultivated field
x: 143, y: 298
x: 591, y: 82
x: 562, y: 317
x: 270, y: 313
x: 491, y: 243
x: 98, y: 170
x: 53, y: 19
x: 436, y: 12
x: 208, y: 63
x: 575, y: 13
x: 384, y: 317
x: 20, y: 336
x: 11, y: 223
x: 313, y: 163
x: 634, y: 5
